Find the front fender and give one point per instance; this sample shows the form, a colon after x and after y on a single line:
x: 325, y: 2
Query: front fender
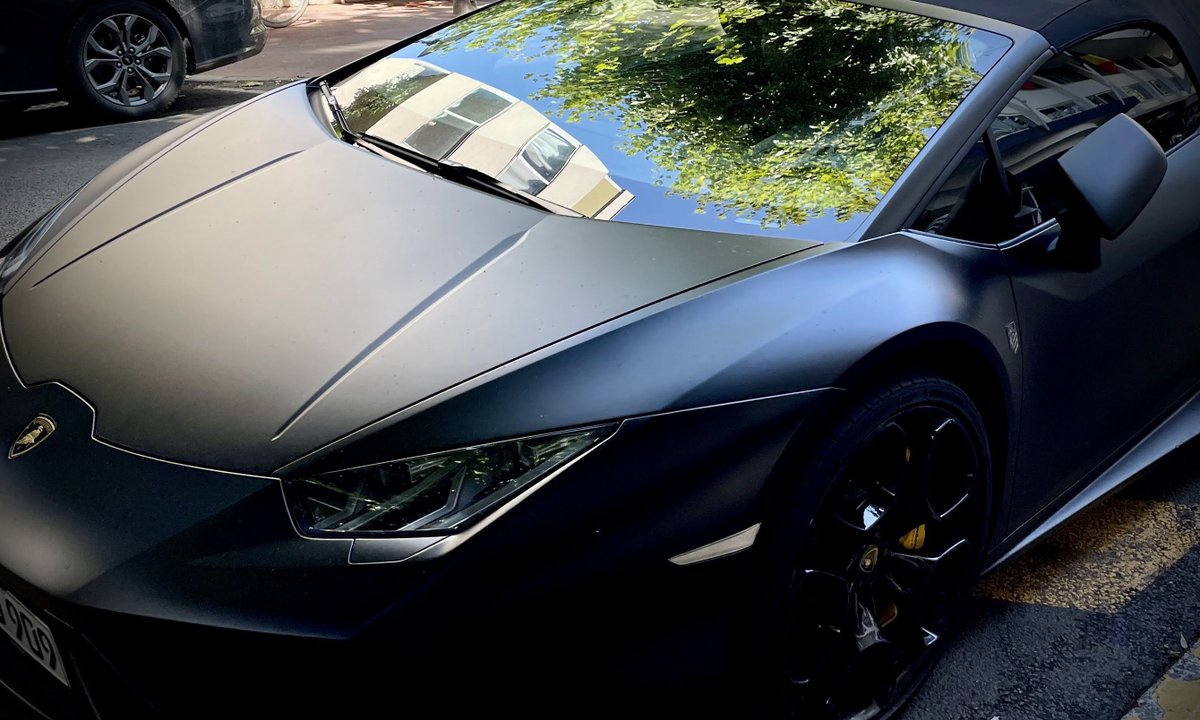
x: 795, y: 324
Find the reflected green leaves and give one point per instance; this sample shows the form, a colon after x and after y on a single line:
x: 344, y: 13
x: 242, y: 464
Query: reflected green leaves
x: 770, y: 110
x: 371, y: 103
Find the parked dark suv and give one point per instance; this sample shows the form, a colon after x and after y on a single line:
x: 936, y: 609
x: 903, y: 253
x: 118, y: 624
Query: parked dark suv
x: 122, y: 58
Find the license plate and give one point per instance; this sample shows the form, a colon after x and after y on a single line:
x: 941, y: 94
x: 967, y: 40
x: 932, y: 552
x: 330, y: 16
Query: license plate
x: 31, y: 635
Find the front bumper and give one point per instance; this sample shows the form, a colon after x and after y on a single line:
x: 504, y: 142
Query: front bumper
x: 174, y: 589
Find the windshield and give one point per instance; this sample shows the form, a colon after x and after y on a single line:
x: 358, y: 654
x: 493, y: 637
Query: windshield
x: 788, y: 118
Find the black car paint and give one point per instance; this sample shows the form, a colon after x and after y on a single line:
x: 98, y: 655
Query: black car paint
x: 606, y: 522
x: 729, y: 397
x: 359, y: 330
x: 1120, y: 320
x: 34, y: 34
x: 159, y: 574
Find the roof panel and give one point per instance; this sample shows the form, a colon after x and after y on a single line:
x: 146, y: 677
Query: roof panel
x: 1033, y: 14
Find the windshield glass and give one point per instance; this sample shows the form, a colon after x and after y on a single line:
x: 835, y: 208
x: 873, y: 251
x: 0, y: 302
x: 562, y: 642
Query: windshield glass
x: 779, y: 117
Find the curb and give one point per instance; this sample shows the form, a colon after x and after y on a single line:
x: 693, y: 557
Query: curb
x: 248, y: 87
x: 1176, y: 696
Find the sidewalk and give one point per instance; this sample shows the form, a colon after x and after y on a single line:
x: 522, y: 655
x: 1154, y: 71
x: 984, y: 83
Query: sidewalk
x: 329, y: 36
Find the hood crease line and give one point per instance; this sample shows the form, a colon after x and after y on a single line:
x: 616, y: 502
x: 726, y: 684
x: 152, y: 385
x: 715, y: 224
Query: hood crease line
x: 477, y: 266
x: 173, y: 208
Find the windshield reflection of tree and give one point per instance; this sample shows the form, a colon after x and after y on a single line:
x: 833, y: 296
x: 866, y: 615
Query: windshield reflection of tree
x: 778, y: 110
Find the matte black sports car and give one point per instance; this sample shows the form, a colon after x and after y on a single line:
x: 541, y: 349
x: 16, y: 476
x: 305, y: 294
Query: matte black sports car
x: 583, y: 347
x: 122, y: 58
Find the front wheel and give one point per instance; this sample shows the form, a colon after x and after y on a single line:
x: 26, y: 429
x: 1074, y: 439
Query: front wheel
x: 125, y: 59
x: 865, y: 589
x: 281, y: 13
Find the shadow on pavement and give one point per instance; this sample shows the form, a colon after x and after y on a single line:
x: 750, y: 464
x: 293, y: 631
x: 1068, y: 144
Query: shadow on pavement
x: 60, y: 116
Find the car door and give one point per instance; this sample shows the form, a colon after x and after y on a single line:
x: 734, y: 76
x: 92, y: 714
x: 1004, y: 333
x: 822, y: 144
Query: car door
x: 1107, y: 347
x: 31, y: 37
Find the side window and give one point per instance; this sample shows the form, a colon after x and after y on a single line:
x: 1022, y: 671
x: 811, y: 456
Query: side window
x: 1135, y: 71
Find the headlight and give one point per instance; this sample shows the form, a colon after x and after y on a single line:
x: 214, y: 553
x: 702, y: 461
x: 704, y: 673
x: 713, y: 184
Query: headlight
x: 435, y: 493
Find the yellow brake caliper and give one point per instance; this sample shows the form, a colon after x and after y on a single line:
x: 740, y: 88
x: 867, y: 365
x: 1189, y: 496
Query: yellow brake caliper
x: 912, y: 540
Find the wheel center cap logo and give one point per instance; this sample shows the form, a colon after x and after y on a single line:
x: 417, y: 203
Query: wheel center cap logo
x: 34, y: 434
x: 869, y: 559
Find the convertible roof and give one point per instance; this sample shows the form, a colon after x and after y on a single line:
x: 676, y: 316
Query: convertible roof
x: 1063, y: 22
x: 1032, y: 14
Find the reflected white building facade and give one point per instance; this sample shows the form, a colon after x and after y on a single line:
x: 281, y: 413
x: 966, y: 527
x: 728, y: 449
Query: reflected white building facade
x: 1131, y: 71
x: 450, y: 116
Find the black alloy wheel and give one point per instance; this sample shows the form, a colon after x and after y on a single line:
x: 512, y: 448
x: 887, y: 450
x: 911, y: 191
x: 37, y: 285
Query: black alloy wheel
x: 125, y: 59
x: 876, y: 576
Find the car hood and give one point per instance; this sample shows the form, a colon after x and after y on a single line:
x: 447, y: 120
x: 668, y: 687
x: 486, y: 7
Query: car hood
x: 258, y: 288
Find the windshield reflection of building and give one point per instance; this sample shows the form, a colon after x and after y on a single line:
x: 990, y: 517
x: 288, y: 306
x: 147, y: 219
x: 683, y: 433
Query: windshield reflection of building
x: 450, y: 116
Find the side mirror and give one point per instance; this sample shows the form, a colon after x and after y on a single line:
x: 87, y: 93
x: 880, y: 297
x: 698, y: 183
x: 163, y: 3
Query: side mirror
x: 1113, y: 174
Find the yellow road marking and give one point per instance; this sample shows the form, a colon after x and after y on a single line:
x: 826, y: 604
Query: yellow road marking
x: 1101, y: 560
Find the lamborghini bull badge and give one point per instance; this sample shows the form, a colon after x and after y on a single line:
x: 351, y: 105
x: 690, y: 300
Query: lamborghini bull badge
x: 33, y: 435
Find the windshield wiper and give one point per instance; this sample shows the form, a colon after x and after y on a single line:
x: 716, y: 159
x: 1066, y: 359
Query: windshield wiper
x: 463, y: 174
x: 448, y: 169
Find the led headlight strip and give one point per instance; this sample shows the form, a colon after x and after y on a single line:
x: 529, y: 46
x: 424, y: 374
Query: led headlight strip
x: 444, y: 492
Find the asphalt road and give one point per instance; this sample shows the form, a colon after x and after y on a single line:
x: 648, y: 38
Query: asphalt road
x: 47, y: 152
x: 1080, y: 626
x: 1075, y: 630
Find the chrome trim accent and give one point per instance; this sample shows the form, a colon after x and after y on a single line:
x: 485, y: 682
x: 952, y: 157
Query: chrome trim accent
x: 398, y: 549
x: 33, y: 708
x: 1033, y: 233
x: 39, y: 91
x: 731, y: 403
x: 724, y: 547
x: 921, y: 235
x: 1014, y: 336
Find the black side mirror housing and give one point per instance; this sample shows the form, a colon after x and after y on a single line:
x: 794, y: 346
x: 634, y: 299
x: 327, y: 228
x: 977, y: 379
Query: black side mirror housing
x: 1113, y: 174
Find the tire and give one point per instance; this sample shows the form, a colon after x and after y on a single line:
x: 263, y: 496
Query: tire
x: 281, y: 13
x: 125, y: 60
x: 867, y: 563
